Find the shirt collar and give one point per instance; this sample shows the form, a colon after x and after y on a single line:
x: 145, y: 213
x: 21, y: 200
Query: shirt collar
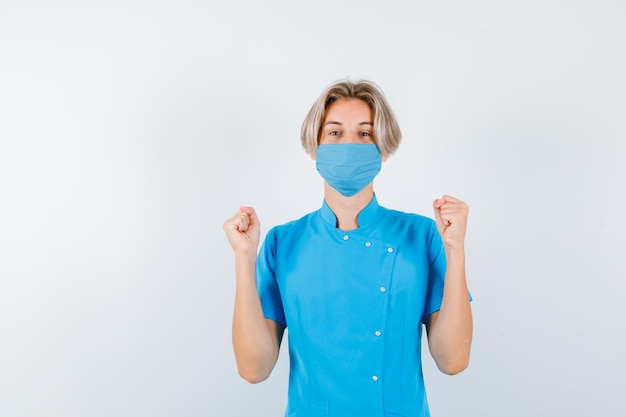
x: 366, y: 217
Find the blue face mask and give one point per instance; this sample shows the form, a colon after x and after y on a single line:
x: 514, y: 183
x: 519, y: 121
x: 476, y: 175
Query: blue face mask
x: 348, y: 167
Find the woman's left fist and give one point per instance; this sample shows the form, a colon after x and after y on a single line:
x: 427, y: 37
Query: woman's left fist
x: 451, y: 220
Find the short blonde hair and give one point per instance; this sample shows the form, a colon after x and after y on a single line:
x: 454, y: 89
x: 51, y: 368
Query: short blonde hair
x: 386, y: 130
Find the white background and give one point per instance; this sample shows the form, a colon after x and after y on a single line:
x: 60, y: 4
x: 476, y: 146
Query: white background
x: 129, y: 131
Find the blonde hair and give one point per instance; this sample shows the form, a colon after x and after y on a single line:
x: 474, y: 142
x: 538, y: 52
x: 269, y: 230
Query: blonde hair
x: 386, y: 130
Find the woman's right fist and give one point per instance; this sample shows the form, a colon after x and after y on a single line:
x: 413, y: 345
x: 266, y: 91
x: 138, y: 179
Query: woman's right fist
x: 243, y: 231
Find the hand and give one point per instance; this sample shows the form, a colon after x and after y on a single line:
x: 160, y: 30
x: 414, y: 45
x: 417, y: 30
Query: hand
x: 243, y: 231
x: 451, y: 220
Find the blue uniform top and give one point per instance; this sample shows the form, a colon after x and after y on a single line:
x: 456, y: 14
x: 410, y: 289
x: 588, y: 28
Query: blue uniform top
x: 353, y: 303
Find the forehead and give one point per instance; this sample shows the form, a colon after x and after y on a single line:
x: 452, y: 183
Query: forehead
x: 349, y: 109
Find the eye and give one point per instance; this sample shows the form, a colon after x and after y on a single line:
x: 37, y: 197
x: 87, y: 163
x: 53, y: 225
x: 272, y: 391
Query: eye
x: 334, y: 133
x: 365, y: 134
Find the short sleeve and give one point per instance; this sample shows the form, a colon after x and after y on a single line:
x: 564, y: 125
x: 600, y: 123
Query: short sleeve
x: 436, y: 273
x: 267, y: 285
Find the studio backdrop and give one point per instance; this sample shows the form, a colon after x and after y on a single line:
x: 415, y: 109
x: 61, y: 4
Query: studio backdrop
x: 130, y: 131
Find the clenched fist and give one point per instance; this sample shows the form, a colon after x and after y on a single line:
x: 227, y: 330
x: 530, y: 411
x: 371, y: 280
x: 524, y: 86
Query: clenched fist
x: 451, y: 219
x: 243, y: 231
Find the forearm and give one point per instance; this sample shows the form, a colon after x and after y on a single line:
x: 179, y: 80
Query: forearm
x: 450, y: 334
x: 255, y: 345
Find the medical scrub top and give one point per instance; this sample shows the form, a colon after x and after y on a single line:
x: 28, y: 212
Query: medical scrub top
x: 353, y: 303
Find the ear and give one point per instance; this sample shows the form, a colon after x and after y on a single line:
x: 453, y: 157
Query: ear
x: 385, y: 157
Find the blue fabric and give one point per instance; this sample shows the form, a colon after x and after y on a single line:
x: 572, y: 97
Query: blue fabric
x: 348, y: 167
x: 353, y: 303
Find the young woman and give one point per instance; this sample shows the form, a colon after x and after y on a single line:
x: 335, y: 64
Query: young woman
x: 353, y: 281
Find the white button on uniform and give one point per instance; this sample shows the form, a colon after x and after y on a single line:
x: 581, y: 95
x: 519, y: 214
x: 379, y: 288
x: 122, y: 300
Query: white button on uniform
x: 377, y: 333
x: 368, y: 244
x: 346, y: 237
x: 389, y: 250
x: 382, y: 289
x: 374, y: 378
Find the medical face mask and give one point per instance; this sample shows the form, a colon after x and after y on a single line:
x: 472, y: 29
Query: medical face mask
x: 348, y: 167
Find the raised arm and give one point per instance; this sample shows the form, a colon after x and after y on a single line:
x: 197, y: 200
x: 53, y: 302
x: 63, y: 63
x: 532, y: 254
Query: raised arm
x: 450, y: 328
x: 256, y: 340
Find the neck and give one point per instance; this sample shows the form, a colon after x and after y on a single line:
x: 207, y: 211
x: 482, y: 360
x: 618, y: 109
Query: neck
x: 347, y: 209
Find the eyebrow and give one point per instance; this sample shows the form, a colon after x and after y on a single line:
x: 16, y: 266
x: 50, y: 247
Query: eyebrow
x: 330, y: 122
